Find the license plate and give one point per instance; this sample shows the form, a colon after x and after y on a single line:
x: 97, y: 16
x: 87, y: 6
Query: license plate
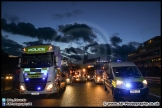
x: 35, y: 93
x: 134, y: 91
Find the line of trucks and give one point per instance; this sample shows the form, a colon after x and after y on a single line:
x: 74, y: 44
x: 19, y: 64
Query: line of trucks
x: 43, y: 72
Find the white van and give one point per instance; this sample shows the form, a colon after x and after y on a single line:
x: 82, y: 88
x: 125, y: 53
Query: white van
x: 125, y: 79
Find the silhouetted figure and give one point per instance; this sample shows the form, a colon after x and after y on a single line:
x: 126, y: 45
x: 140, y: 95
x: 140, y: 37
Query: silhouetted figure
x: 16, y: 79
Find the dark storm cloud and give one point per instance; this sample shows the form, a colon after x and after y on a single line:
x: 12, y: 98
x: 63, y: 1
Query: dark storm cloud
x: 33, y: 42
x: 59, y: 16
x: 117, y: 51
x: 71, y: 32
x: 28, y: 29
x: 91, y: 44
x: 73, y: 50
x: 11, y: 18
x: 47, y: 33
x: 75, y: 32
x: 136, y: 44
x: 78, y: 43
x: 79, y: 51
x: 73, y: 53
x: 124, y: 50
x: 11, y: 47
x: 60, y: 38
x: 115, y: 40
x: 102, y: 50
x: 77, y: 57
x: 93, y: 50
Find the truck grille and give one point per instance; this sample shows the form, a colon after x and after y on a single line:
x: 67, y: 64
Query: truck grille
x: 35, y: 86
x: 136, y: 85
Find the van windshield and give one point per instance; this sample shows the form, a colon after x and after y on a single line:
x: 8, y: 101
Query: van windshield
x: 126, y: 71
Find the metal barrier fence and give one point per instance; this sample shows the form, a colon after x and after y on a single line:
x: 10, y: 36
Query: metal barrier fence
x: 156, y: 80
x: 6, y: 83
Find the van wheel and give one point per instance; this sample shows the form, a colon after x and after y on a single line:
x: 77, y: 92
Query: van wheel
x: 143, y: 97
x: 113, y: 93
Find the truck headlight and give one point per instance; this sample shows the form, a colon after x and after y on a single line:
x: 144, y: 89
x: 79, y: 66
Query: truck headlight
x: 22, y: 88
x: 68, y: 80
x: 145, y: 82
x: 118, y: 82
x: 50, y: 86
x: 7, y: 77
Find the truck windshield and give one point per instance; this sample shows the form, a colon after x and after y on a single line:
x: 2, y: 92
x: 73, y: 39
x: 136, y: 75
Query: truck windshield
x: 64, y: 68
x: 99, y: 72
x: 99, y: 65
x: 126, y: 71
x: 37, y: 60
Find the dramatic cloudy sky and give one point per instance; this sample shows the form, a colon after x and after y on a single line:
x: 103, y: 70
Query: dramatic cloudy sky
x: 76, y: 24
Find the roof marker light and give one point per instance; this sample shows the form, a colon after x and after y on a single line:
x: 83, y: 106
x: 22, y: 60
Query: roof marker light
x: 24, y: 49
x: 50, y: 48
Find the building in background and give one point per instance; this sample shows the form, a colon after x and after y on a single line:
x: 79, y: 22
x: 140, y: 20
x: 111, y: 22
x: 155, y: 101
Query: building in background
x: 12, y: 56
x: 148, y: 56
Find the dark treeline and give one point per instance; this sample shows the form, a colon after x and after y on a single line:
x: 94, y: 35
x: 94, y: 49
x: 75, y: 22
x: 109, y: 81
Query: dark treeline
x: 8, y: 65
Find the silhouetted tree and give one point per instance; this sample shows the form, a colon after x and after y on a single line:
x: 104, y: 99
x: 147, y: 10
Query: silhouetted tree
x: 4, y: 56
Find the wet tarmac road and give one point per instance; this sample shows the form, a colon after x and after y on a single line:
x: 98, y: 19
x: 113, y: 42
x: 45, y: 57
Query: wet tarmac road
x: 76, y: 94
